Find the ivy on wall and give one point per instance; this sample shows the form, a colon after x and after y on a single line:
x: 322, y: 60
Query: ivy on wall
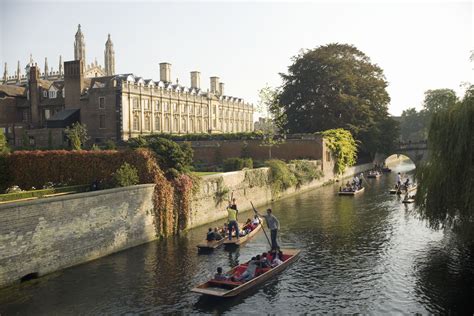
x: 343, y: 148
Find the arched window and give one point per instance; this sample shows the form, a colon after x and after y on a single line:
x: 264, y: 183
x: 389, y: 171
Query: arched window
x: 167, y: 123
x: 136, y: 122
x: 175, y: 124
x: 191, y: 125
x: 206, y: 126
x: 183, y: 125
x: 158, y: 122
x: 147, y: 126
x: 199, y: 126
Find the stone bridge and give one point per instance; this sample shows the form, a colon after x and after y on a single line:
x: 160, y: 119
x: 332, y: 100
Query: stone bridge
x: 416, y: 151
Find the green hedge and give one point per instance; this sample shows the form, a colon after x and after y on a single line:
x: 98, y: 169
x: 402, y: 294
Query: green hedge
x: 40, y: 193
x: 234, y: 164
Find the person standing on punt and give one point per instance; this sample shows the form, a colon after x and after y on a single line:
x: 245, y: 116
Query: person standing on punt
x: 273, y: 225
x: 232, y: 220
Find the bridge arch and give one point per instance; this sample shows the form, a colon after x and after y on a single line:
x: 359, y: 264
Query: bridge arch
x: 417, y: 152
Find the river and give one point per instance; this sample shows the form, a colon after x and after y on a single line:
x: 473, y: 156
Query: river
x: 363, y: 254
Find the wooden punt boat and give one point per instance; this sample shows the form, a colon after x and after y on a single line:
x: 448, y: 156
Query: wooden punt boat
x: 210, y: 245
x: 237, y: 242
x: 231, y: 289
x: 351, y: 193
x: 408, y: 201
x: 373, y: 176
x: 397, y: 191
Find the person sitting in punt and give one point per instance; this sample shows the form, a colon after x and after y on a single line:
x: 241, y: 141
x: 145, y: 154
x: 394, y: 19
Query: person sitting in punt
x: 210, y: 235
x: 249, y: 273
x: 217, y: 235
x: 256, y: 221
x: 264, y: 262
x: 407, y: 183
x: 220, y: 276
x: 277, y: 259
x: 248, y: 227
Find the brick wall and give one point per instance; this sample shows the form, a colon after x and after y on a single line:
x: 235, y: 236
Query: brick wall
x: 50, y: 234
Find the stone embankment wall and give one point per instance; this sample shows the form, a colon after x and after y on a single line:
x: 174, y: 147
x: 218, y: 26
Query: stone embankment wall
x: 210, y: 203
x: 46, y: 235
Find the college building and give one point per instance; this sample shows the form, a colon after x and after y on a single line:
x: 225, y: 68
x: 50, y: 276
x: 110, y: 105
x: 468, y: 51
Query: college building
x: 36, y: 107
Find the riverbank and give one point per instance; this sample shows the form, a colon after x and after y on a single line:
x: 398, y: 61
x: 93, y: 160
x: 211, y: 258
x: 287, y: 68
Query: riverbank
x: 42, y: 236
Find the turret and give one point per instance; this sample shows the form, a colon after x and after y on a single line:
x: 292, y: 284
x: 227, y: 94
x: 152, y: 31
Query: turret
x: 109, y: 57
x: 79, y: 46
x: 46, y: 68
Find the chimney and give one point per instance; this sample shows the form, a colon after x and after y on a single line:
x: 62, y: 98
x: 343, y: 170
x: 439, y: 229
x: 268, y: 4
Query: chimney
x: 215, y: 85
x: 221, y: 88
x: 34, y: 76
x: 195, y: 79
x: 165, y: 72
x: 73, y: 83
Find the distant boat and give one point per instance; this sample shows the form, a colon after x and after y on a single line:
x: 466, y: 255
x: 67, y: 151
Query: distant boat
x: 403, y: 190
x: 373, y: 175
x: 408, y: 201
x: 351, y: 192
x: 239, y: 241
x: 230, y: 288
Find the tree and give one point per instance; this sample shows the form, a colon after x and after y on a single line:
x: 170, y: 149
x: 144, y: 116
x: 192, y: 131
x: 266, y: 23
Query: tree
x: 334, y: 86
x: 126, y: 175
x: 268, y: 104
x: 446, y: 181
x: 77, y: 135
x: 3, y: 142
x: 438, y: 100
x: 413, y: 125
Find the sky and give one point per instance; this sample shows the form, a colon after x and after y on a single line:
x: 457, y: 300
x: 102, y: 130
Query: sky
x: 419, y: 45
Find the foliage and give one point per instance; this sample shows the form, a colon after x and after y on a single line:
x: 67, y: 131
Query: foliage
x: 126, y: 175
x: 110, y: 145
x: 280, y: 177
x: 268, y: 101
x: 335, y: 86
x: 40, y: 193
x: 343, y: 148
x: 173, y: 157
x: 50, y: 139
x: 204, y: 136
x: 305, y: 171
x: 184, y: 186
x: 35, y: 168
x: 256, y: 177
x: 222, y: 191
x: 25, y: 140
x: 413, y: 125
x: 3, y: 143
x: 446, y: 180
x: 77, y: 135
x: 439, y: 100
x: 95, y: 147
x: 233, y: 164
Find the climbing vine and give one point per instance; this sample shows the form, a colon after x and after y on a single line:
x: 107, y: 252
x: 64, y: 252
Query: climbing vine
x: 343, y: 148
x: 305, y: 171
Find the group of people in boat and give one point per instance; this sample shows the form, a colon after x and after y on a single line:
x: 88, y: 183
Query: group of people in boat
x: 374, y: 173
x: 403, y: 184
x: 254, y: 267
x: 353, y: 186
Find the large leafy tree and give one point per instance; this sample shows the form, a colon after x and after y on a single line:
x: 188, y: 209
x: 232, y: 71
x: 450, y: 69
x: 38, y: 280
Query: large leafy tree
x: 413, y: 125
x: 445, y: 192
x: 336, y: 86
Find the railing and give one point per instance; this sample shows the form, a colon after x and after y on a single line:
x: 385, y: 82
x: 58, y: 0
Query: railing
x: 423, y: 144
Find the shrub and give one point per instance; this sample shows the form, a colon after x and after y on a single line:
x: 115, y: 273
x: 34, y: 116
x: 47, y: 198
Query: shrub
x: 170, y: 154
x: 126, y: 175
x: 95, y: 147
x: 280, y: 176
x: 18, y: 195
x: 305, y: 171
x: 3, y: 143
x: 110, y: 145
x: 233, y: 164
x: 77, y: 135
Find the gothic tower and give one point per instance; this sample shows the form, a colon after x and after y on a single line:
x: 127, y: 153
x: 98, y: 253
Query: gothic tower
x: 79, y: 45
x: 109, y: 58
x: 46, y: 68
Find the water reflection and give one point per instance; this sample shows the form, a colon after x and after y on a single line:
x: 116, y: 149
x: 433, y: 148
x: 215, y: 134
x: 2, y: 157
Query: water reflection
x: 367, y: 254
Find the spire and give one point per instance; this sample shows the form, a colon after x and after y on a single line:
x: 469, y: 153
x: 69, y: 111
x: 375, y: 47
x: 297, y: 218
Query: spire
x: 18, y: 72
x: 5, y: 73
x: 79, y: 45
x: 31, y: 59
x: 60, y: 67
x: 46, y: 68
x: 109, y: 57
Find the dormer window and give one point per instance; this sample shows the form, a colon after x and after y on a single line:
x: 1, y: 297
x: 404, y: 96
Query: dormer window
x: 52, y: 94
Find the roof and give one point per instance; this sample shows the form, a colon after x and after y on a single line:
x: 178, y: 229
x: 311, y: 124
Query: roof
x: 13, y: 91
x: 62, y: 115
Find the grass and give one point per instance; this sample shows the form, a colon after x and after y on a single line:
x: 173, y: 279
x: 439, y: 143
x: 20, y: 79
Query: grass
x: 204, y: 173
x: 9, y: 197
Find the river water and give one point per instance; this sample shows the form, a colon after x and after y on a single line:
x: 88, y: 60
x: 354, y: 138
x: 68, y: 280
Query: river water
x: 363, y: 254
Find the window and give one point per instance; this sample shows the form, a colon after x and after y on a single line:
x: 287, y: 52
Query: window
x: 183, y: 125
x: 136, y: 106
x: 146, y: 104
x: 206, y: 126
x: 199, y: 126
x: 52, y: 94
x: 328, y: 155
x: 191, y: 125
x: 25, y: 115
x: 136, y: 123
x: 101, y: 121
x: 45, y: 93
x: 147, y: 126
x: 167, y: 123
x: 183, y: 108
x: 175, y: 107
x: 157, y: 122
x: 167, y: 108
x: 157, y: 106
x: 47, y: 114
x: 101, y: 102
x: 175, y: 124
